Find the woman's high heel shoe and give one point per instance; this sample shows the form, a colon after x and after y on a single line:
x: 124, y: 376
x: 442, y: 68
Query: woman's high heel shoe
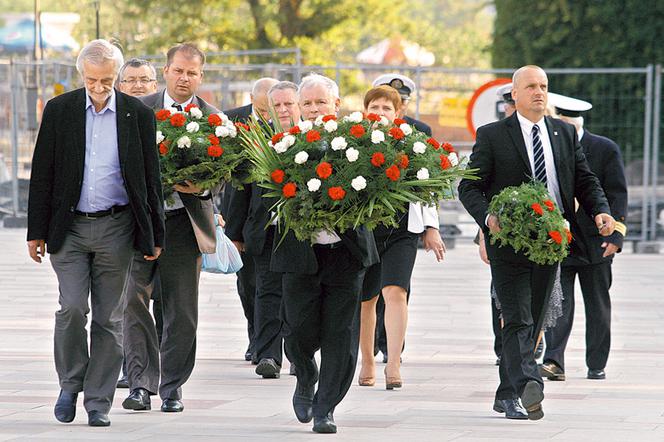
x: 367, y: 382
x: 392, y: 382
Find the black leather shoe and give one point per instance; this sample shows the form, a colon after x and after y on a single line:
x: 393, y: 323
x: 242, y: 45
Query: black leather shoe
x: 122, y: 382
x: 98, y: 419
x: 325, y: 424
x: 302, y: 400
x: 497, y: 361
x: 531, y: 399
x: 268, y: 368
x: 596, y: 373
x: 551, y: 371
x: 248, y: 354
x: 511, y: 407
x: 291, y: 370
x: 540, y: 349
x: 172, y: 406
x: 139, y: 399
x: 65, y: 407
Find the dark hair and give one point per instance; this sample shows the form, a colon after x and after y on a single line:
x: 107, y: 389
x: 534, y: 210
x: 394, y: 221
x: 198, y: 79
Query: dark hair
x: 136, y: 63
x: 189, y: 50
x: 383, y: 91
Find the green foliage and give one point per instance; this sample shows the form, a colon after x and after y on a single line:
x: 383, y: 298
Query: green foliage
x: 530, y: 223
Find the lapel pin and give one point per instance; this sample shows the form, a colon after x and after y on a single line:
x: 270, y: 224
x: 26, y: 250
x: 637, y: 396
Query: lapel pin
x: 554, y: 132
x: 129, y: 115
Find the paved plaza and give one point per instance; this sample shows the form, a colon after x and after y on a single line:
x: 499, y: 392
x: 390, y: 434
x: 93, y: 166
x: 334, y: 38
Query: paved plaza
x: 448, y: 371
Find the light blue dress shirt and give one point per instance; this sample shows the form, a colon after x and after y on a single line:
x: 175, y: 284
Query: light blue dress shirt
x: 103, y: 186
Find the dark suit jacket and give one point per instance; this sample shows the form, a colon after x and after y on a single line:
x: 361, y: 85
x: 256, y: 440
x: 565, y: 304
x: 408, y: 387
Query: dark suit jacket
x: 240, y: 114
x: 419, y: 125
x: 59, y: 159
x: 500, y: 155
x: 199, y: 209
x: 605, y: 161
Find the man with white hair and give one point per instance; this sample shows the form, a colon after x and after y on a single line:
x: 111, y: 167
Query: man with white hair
x: 319, y: 96
x: 95, y: 197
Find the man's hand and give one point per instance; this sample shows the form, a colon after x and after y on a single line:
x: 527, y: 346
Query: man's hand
x: 605, y: 224
x: 239, y: 245
x: 157, y: 252
x: 220, y: 220
x: 189, y: 187
x: 432, y: 241
x: 609, y: 249
x: 37, y: 249
x: 493, y: 224
x: 483, y: 255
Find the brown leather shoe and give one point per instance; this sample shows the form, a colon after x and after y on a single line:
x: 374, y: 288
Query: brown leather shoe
x: 551, y: 371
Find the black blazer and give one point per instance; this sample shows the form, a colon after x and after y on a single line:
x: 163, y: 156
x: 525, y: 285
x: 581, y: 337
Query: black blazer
x: 419, y: 125
x: 199, y: 209
x: 247, y: 215
x: 500, y: 155
x: 241, y: 114
x: 59, y: 159
x: 604, y: 158
x: 293, y: 256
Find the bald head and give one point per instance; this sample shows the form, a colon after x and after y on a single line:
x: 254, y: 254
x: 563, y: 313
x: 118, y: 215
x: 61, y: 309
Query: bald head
x: 529, y: 91
x: 259, y: 99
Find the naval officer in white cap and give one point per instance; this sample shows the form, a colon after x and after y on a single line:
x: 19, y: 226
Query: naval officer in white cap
x: 405, y: 86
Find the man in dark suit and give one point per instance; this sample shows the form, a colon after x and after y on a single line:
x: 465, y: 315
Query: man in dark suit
x: 248, y: 216
x: 508, y: 153
x: 190, y: 231
x: 246, y: 277
x: 95, y: 199
x: 592, y: 264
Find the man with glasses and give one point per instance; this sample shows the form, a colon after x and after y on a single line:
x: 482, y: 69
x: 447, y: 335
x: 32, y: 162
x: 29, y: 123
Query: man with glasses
x: 137, y: 78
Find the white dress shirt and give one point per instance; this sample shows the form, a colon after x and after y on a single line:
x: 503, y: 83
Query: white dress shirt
x: 420, y: 217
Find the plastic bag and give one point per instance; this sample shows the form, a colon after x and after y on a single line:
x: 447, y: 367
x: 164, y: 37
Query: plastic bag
x: 227, y: 258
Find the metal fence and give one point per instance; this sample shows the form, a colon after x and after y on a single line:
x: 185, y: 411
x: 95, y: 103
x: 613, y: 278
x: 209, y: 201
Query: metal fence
x: 627, y: 109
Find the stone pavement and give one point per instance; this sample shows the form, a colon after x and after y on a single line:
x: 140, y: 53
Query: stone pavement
x: 448, y: 371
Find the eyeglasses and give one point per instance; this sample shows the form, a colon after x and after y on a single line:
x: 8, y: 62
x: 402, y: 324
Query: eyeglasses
x: 141, y: 81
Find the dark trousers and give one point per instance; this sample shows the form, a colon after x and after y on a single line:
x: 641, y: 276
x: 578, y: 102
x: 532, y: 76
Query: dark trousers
x: 595, y: 280
x: 497, y: 328
x: 93, y: 263
x: 523, y: 290
x: 179, y: 272
x: 321, y: 311
x: 268, y: 340
x: 246, y: 289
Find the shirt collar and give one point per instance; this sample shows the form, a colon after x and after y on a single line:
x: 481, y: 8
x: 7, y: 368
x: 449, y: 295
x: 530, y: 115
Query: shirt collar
x: 169, y: 102
x: 580, y: 133
x: 527, y: 125
x: 110, y: 103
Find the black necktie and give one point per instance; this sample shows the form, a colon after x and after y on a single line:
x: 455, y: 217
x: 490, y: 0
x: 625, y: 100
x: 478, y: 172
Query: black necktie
x: 177, y: 106
x: 538, y: 156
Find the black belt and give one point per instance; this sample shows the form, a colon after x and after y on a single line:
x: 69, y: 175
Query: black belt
x: 103, y: 213
x: 334, y: 245
x: 171, y: 213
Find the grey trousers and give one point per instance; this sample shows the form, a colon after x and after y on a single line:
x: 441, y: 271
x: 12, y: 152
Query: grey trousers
x: 94, y: 261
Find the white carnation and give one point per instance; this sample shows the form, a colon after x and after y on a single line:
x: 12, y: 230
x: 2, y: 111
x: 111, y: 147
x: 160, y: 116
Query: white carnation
x: 160, y: 137
x: 384, y: 121
x: 313, y: 184
x: 288, y: 140
x: 454, y: 159
x: 358, y: 183
x: 319, y: 120
x: 224, y: 118
x: 423, y: 174
x: 173, y: 110
x: 355, y: 117
x: 301, y: 157
x: 419, y: 147
x: 196, y: 113
x: 339, y: 143
x: 377, y: 136
x: 305, y: 126
x: 222, y: 131
x: 281, y: 147
x: 406, y: 129
x: 352, y: 154
x: 184, y: 141
x: 192, y: 127
x: 331, y: 126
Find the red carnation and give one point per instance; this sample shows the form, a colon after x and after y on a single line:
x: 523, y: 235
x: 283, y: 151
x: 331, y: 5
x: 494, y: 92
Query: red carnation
x: 324, y: 170
x: 393, y: 172
x: 569, y: 236
x: 313, y: 135
x: 213, y: 139
x: 336, y: 193
x: 242, y: 126
x: 373, y: 117
x: 396, y: 133
x: 294, y: 130
x: 278, y: 176
x: 448, y: 147
x: 327, y: 118
x: 188, y: 107
x: 178, y: 120
x: 537, y: 209
x: 404, y: 161
x: 434, y: 143
x: 215, y: 150
x: 399, y: 121
x: 357, y: 131
x: 445, y: 162
x: 163, y: 148
x: 556, y: 236
x: 163, y: 114
x: 214, y: 120
x: 549, y: 205
x: 378, y: 159
x: 289, y: 190
x: 277, y: 137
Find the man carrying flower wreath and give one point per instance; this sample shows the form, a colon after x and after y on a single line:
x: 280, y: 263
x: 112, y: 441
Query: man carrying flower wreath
x: 507, y: 153
x: 190, y: 231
